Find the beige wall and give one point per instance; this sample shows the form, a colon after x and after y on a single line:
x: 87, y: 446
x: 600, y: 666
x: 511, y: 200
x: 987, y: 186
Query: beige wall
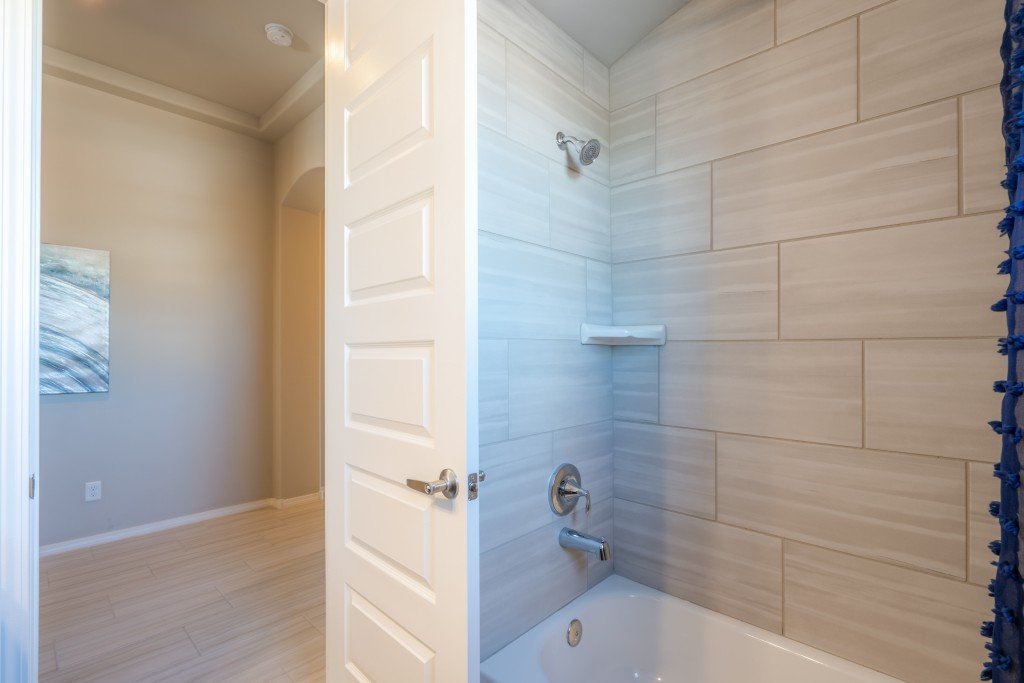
x: 185, y: 210
x: 298, y: 306
x: 806, y: 193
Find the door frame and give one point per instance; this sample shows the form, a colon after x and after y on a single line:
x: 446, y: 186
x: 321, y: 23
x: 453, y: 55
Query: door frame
x: 20, y: 82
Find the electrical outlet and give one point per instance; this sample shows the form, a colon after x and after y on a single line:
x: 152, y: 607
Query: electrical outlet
x: 93, y: 491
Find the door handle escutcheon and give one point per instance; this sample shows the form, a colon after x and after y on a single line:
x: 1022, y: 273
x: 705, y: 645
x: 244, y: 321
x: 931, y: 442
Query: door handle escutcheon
x: 448, y: 484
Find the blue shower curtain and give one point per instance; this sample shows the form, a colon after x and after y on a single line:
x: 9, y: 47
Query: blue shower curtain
x: 1005, y: 649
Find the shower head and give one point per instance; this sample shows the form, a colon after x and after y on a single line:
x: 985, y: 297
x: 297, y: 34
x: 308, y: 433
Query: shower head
x: 587, y: 150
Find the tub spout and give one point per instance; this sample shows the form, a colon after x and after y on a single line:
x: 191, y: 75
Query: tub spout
x: 577, y: 540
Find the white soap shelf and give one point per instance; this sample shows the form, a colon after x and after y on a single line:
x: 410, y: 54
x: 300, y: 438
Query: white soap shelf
x: 618, y: 335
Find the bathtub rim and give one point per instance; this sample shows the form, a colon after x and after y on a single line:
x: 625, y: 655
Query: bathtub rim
x: 619, y: 586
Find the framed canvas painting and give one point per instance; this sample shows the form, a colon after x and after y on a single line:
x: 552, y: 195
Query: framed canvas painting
x: 74, y: 320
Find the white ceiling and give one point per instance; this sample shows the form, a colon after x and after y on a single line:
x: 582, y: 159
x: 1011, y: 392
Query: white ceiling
x: 608, y: 28
x: 213, y: 49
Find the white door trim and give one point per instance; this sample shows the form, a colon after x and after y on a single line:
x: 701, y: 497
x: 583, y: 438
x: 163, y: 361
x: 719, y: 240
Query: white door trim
x: 20, y: 69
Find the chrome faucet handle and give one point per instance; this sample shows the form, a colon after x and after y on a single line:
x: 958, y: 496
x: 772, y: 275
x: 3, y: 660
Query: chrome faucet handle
x: 568, y: 487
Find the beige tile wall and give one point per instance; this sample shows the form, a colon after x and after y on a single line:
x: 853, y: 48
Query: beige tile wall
x: 806, y: 193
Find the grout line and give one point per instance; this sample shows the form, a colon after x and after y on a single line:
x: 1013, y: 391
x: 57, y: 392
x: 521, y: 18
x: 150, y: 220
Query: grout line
x: 778, y: 291
x: 775, y: 23
x: 782, y: 585
x: 858, y: 84
x: 863, y: 394
x: 714, y: 455
x: 960, y: 155
x: 711, y: 206
x: 967, y: 521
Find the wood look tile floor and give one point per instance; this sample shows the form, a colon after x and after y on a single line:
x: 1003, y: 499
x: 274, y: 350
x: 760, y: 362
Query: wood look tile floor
x: 238, y: 598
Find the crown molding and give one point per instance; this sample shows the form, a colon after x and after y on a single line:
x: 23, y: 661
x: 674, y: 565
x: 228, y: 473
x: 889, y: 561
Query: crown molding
x: 305, y: 95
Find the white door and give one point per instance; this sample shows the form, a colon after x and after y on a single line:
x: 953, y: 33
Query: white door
x: 400, y: 340
x: 19, y: 339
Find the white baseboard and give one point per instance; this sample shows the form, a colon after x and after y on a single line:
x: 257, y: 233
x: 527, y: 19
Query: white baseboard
x: 298, y: 500
x: 143, y: 529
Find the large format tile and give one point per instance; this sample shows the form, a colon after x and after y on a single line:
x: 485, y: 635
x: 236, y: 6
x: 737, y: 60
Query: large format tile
x: 732, y: 571
x: 595, y: 79
x: 806, y: 391
x: 540, y: 104
x: 799, y: 88
x: 517, y: 475
x: 701, y: 37
x: 900, y: 41
x: 666, y: 467
x: 799, y: 17
x: 931, y: 280
x: 524, y: 581
x: 579, y: 214
x: 632, y: 142
x: 556, y: 384
x: 984, y: 151
x: 904, y: 509
x: 982, y: 489
x: 898, y: 169
x: 932, y: 397
x: 527, y: 27
x: 513, y: 189
x: 906, y: 623
x: 635, y: 382
x: 729, y: 294
x: 662, y: 216
x: 493, y: 390
x: 599, y: 292
x: 528, y: 291
x: 490, y: 78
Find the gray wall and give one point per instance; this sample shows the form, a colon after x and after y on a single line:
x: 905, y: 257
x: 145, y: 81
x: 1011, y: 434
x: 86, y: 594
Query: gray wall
x: 544, y: 270
x: 185, y: 210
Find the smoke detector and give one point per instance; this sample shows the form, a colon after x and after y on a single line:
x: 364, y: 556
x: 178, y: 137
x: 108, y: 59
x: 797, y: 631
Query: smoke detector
x: 279, y: 34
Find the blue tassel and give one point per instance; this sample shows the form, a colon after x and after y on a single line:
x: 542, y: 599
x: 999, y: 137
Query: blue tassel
x: 986, y: 629
x: 996, y: 547
x: 998, y: 660
x: 1009, y: 183
x: 1009, y: 525
x: 986, y: 673
x: 992, y: 588
x: 1006, y: 614
x: 1007, y: 569
x: 999, y: 306
x: 1004, y: 387
x: 994, y: 507
x: 1011, y: 479
x: 1005, y: 226
x: 1004, y: 268
x: 1015, y: 433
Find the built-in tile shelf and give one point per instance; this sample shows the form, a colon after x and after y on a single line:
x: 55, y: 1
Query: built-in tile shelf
x: 633, y: 335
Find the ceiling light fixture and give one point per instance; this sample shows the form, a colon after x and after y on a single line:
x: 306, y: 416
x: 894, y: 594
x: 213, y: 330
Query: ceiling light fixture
x: 279, y: 34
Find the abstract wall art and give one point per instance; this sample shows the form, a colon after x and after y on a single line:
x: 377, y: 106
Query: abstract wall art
x: 74, y: 320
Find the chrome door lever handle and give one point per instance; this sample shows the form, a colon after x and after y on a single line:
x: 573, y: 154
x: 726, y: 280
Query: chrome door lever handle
x: 448, y: 484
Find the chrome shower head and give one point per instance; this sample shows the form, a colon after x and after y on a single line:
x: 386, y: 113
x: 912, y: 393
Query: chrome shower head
x: 586, y: 150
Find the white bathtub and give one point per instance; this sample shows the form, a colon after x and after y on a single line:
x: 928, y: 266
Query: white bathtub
x: 635, y: 633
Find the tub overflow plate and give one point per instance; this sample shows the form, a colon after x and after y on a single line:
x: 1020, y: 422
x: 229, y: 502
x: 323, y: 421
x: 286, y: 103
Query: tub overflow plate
x: 575, y: 633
